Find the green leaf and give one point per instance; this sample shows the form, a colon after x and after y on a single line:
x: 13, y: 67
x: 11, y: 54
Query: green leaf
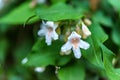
x: 62, y: 60
x: 116, y: 35
x: 72, y: 72
x: 82, y: 6
x: 59, y: 11
x: 4, y: 28
x: 115, y: 4
x: 23, y: 49
x: 48, y: 74
x: 57, y: 1
x: 13, y: 76
x: 99, y: 17
x: 43, y: 59
x: 19, y: 15
x: 93, y: 54
x: 107, y: 59
x: 43, y: 55
x: 117, y: 71
x: 3, y: 49
x: 98, y: 32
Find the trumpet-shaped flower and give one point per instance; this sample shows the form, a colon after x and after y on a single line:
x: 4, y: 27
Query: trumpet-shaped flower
x: 75, y: 43
x: 86, y: 31
x: 48, y: 30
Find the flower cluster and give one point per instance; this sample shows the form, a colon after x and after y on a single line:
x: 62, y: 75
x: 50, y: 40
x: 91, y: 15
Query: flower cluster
x: 74, y: 41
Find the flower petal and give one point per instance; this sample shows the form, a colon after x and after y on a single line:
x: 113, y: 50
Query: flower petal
x: 77, y: 53
x: 41, y: 1
x: 73, y: 35
x: 25, y: 60
x: 48, y: 39
x: 67, y: 46
x: 40, y: 69
x: 1, y: 4
x: 42, y: 31
x: 85, y: 30
x: 55, y: 25
x: 50, y: 23
x: 84, y: 44
x: 54, y: 35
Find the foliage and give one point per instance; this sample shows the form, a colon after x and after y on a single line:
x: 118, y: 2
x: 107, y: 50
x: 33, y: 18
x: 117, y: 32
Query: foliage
x: 17, y: 42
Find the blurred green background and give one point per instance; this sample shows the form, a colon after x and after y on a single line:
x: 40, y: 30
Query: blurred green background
x: 20, y: 21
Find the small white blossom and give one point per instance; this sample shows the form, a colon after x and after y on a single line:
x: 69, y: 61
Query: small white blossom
x: 24, y: 60
x: 41, y: 1
x: 48, y: 30
x: 56, y: 69
x: 87, y: 21
x: 75, y: 43
x: 1, y: 4
x: 40, y: 69
x: 86, y: 31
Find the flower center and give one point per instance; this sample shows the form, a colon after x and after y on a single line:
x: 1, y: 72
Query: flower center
x: 75, y: 42
x: 50, y: 29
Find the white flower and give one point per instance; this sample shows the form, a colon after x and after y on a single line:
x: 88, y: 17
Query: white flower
x: 48, y: 30
x: 87, y: 21
x: 41, y: 1
x: 75, y: 43
x: 40, y: 69
x: 25, y: 60
x: 86, y: 31
x: 56, y: 69
x: 1, y: 4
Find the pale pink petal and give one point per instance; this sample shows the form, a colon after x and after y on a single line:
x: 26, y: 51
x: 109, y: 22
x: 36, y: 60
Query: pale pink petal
x: 67, y: 46
x: 41, y: 32
x: 77, y: 52
x: 84, y: 44
x: 54, y: 35
x: 85, y: 30
x: 41, y: 1
x: 48, y: 39
x: 50, y: 23
x: 73, y: 35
